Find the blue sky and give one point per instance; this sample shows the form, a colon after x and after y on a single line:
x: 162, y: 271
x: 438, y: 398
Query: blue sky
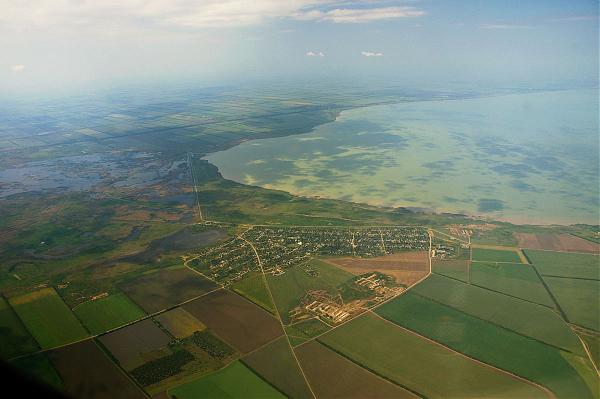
x: 49, y: 44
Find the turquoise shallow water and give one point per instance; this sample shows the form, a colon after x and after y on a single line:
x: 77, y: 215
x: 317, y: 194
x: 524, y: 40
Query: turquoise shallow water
x: 526, y: 158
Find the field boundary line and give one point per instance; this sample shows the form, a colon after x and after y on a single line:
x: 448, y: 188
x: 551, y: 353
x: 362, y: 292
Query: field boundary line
x: 570, y: 277
x: 564, y: 252
x: 547, y: 391
x: 556, y: 304
x: 278, y: 315
x: 587, y: 352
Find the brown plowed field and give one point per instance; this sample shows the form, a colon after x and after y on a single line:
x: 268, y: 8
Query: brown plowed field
x: 406, y: 267
x: 239, y: 322
x: 87, y: 372
x: 333, y: 376
x: 166, y: 288
x: 556, y: 242
x: 134, y: 345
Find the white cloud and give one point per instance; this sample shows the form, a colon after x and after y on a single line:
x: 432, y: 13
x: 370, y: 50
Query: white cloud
x: 371, y: 54
x: 17, y: 68
x: 119, y: 15
x: 575, y: 18
x: 361, y: 15
x: 315, y: 54
x: 505, y: 26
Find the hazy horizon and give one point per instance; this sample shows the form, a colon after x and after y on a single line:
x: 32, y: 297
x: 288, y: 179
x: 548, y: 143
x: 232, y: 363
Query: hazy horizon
x: 69, y: 45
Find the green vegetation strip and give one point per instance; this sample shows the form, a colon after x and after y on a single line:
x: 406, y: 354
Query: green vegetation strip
x: 567, y: 375
x: 420, y: 365
x: 234, y: 381
x: 107, y: 313
x: 47, y: 318
x: 157, y: 370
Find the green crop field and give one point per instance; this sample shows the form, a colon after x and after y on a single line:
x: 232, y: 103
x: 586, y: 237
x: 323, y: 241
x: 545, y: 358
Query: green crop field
x: 495, y: 255
x: 511, y: 313
x: 567, y: 375
x: 107, y: 313
x: 291, y: 286
x: 564, y: 264
x: 303, y: 331
x: 38, y: 366
x: 253, y: 287
x: 420, y: 365
x: 47, y: 318
x: 515, y: 279
x: 276, y: 364
x: 15, y: 338
x: 458, y: 269
x: 234, y: 381
x: 578, y: 299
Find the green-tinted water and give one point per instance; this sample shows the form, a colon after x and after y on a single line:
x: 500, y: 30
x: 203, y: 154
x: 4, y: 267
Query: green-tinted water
x: 523, y: 157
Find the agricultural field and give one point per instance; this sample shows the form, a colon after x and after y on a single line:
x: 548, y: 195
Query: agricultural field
x: 16, y: 340
x: 253, y: 287
x: 556, y: 242
x: 136, y: 344
x: 304, y: 330
x: 38, y: 366
x: 331, y: 375
x: 289, y: 288
x: 566, y: 374
x: 495, y: 255
x: 514, y: 279
x: 166, y: 288
x: 107, y: 313
x: 189, y: 358
x: 453, y: 268
x: 237, y: 321
x: 234, y: 381
x: 510, y: 313
x: 563, y: 264
x: 276, y: 364
x: 578, y: 299
x: 85, y: 371
x: 47, y: 318
x: 406, y: 359
x: 406, y: 267
x: 180, y: 323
